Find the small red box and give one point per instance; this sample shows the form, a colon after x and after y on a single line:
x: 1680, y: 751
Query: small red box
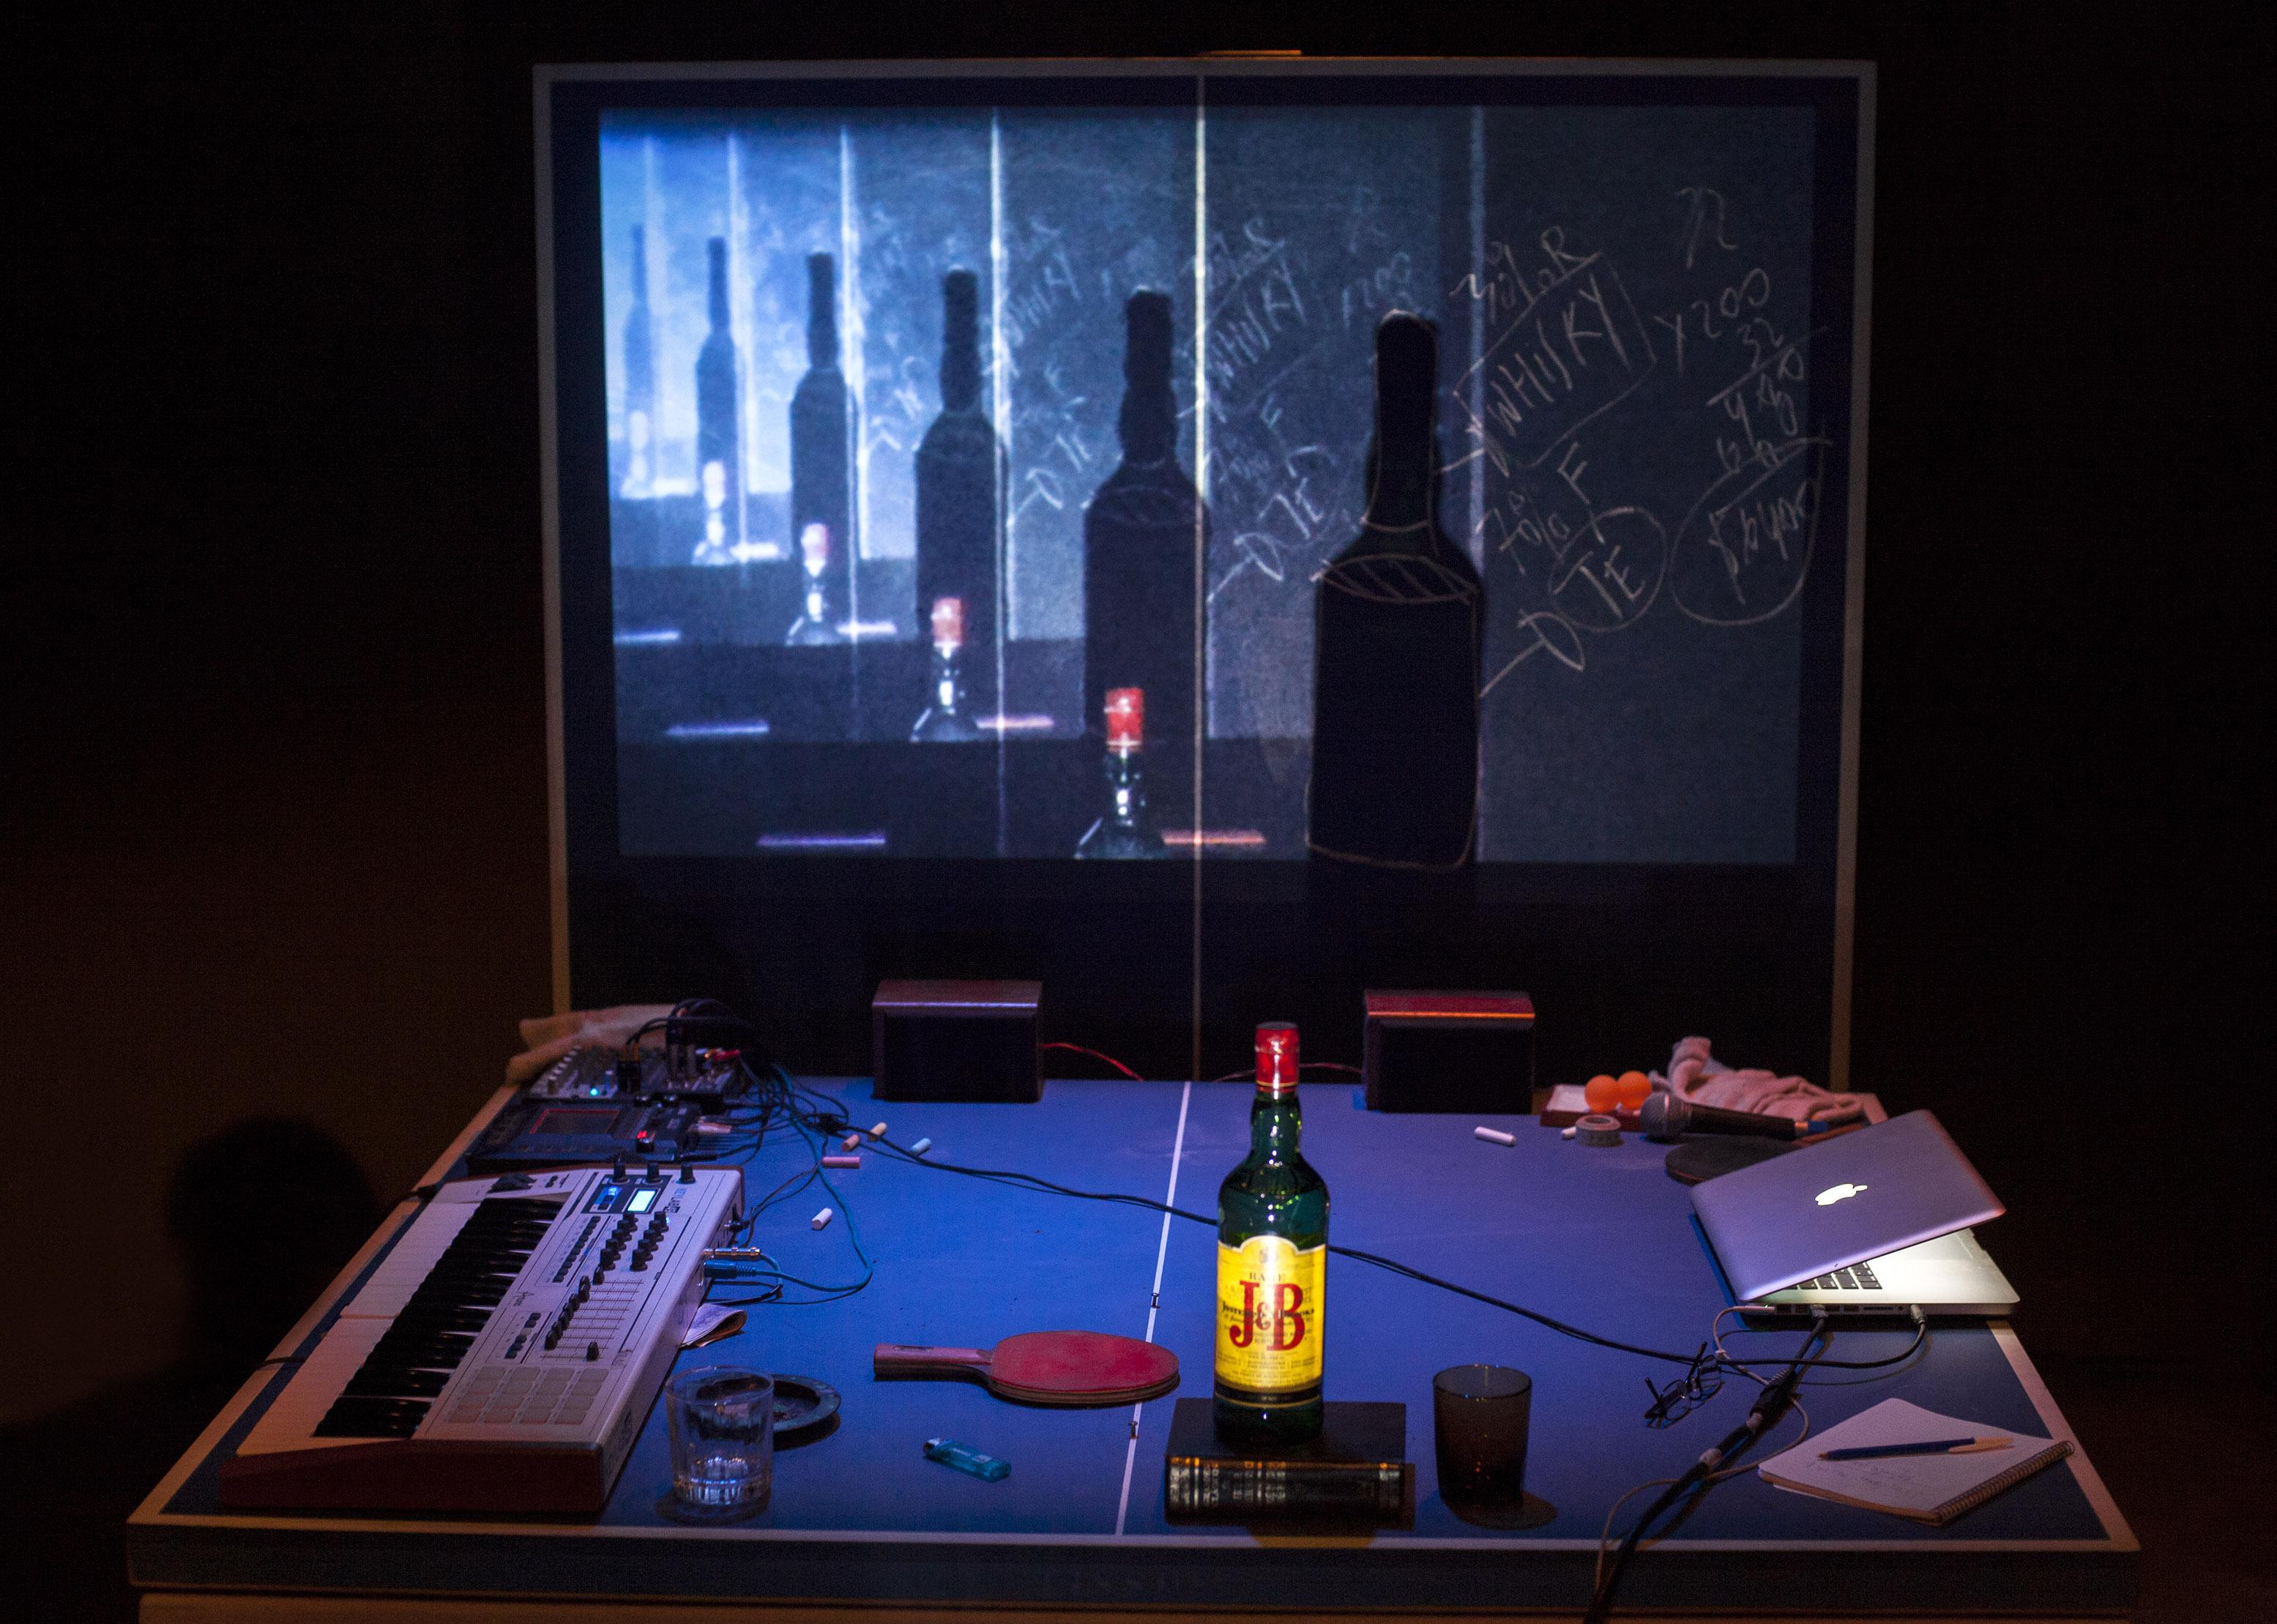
x: 1427, y: 1051
x: 955, y: 1041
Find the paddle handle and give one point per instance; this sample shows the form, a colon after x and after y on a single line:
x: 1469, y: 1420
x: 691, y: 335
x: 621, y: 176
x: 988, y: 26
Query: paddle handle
x: 895, y: 1359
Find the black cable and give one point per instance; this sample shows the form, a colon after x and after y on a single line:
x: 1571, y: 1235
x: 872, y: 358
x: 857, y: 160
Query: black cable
x: 1770, y: 1405
x: 1018, y: 1180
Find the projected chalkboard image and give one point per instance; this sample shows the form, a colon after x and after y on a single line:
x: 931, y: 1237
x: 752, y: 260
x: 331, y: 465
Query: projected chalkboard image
x: 931, y: 430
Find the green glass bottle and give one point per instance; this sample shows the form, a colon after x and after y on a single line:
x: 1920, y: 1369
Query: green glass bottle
x: 1272, y: 1253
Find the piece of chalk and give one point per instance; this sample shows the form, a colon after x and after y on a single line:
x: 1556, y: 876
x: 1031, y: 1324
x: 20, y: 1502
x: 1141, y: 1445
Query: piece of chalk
x: 849, y: 1141
x: 1494, y: 1136
x: 820, y: 1219
x: 877, y: 1130
x: 842, y: 1161
x: 921, y: 1147
x: 1565, y: 1133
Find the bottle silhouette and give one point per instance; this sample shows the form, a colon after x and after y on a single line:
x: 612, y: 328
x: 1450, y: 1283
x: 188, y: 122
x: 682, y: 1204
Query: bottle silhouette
x: 1125, y: 830
x: 640, y: 378
x: 1395, y: 645
x: 821, y: 449
x: 945, y: 720
x: 960, y: 482
x: 719, y: 476
x: 821, y: 611
x: 1140, y: 536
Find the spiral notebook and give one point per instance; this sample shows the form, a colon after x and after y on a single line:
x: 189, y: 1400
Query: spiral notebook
x: 1933, y: 1488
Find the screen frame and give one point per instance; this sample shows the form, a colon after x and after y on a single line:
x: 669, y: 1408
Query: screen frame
x: 585, y: 971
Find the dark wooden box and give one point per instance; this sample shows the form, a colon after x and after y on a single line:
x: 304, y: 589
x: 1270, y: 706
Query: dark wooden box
x: 955, y: 1041
x: 1448, y: 1052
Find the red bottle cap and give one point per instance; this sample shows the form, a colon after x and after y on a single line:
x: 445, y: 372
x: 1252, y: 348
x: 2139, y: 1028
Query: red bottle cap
x: 1126, y: 718
x: 948, y: 623
x: 814, y: 543
x: 1277, y: 1057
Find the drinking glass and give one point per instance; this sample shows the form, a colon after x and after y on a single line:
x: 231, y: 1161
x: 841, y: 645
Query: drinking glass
x: 723, y: 1438
x: 1479, y: 1416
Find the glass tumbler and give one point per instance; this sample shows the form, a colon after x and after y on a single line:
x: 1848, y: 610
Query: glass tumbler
x: 723, y: 1438
x: 1479, y: 1416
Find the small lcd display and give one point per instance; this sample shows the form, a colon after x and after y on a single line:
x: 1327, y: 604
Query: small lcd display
x: 642, y: 1201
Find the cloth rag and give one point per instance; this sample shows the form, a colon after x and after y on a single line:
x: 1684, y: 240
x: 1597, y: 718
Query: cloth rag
x: 1695, y: 1075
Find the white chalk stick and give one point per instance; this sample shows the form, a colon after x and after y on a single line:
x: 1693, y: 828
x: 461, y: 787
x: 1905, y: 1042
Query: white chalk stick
x: 820, y: 1219
x: 1494, y: 1136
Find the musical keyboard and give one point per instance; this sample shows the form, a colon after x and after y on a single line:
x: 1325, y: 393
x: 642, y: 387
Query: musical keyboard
x: 502, y: 1354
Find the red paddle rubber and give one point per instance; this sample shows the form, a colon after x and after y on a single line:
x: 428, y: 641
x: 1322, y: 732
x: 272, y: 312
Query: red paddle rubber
x: 1066, y: 1368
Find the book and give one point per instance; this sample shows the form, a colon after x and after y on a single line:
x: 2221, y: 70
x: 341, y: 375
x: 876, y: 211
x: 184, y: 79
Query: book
x: 1356, y: 1470
x: 1933, y: 1488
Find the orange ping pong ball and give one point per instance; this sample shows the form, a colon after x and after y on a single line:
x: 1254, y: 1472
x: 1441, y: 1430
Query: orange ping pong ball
x: 1633, y: 1089
x: 1602, y: 1092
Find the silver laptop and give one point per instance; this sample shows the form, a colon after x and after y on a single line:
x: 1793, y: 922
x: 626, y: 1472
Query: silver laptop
x: 1874, y: 1220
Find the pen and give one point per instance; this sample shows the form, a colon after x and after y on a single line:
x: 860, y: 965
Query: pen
x: 1937, y: 1446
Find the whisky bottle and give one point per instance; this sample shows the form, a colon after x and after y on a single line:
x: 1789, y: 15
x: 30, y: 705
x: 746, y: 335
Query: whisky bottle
x: 945, y: 720
x: 1272, y: 1252
x: 719, y: 476
x: 821, y: 436
x: 960, y: 482
x: 640, y: 379
x: 1395, y: 773
x: 820, y: 608
x: 1142, y: 532
x: 1124, y: 830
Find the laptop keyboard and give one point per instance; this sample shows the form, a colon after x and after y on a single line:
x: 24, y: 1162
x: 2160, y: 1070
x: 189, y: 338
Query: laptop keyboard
x: 1857, y: 1277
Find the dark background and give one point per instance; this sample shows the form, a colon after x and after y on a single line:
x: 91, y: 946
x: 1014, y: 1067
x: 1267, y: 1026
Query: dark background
x: 276, y: 834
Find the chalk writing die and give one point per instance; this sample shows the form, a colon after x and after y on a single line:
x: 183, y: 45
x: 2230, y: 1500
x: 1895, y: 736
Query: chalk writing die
x: 1427, y: 1051
x: 966, y: 1040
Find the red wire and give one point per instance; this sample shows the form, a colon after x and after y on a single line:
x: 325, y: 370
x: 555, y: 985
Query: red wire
x: 1309, y: 1065
x: 1079, y: 1050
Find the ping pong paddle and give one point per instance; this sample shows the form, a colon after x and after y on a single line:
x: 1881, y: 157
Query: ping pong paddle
x: 1067, y: 1367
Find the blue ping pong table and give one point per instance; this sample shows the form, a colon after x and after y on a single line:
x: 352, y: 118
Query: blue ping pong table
x: 860, y: 1520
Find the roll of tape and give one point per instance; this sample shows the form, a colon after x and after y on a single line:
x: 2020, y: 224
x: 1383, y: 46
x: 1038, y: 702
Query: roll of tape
x: 1597, y: 1129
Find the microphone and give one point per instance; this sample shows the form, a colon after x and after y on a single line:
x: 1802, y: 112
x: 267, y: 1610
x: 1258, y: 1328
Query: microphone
x: 1664, y: 1117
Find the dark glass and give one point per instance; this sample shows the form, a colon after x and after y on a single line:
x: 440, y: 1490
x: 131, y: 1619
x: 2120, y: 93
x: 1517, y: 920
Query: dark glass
x: 1274, y: 1192
x: 821, y: 464
x: 959, y: 474
x: 640, y: 378
x: 1480, y: 1418
x: 1142, y: 532
x: 1395, y: 777
x: 719, y: 474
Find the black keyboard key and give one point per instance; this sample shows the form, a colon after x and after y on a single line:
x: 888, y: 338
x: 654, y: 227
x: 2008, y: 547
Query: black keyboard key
x: 359, y: 1417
